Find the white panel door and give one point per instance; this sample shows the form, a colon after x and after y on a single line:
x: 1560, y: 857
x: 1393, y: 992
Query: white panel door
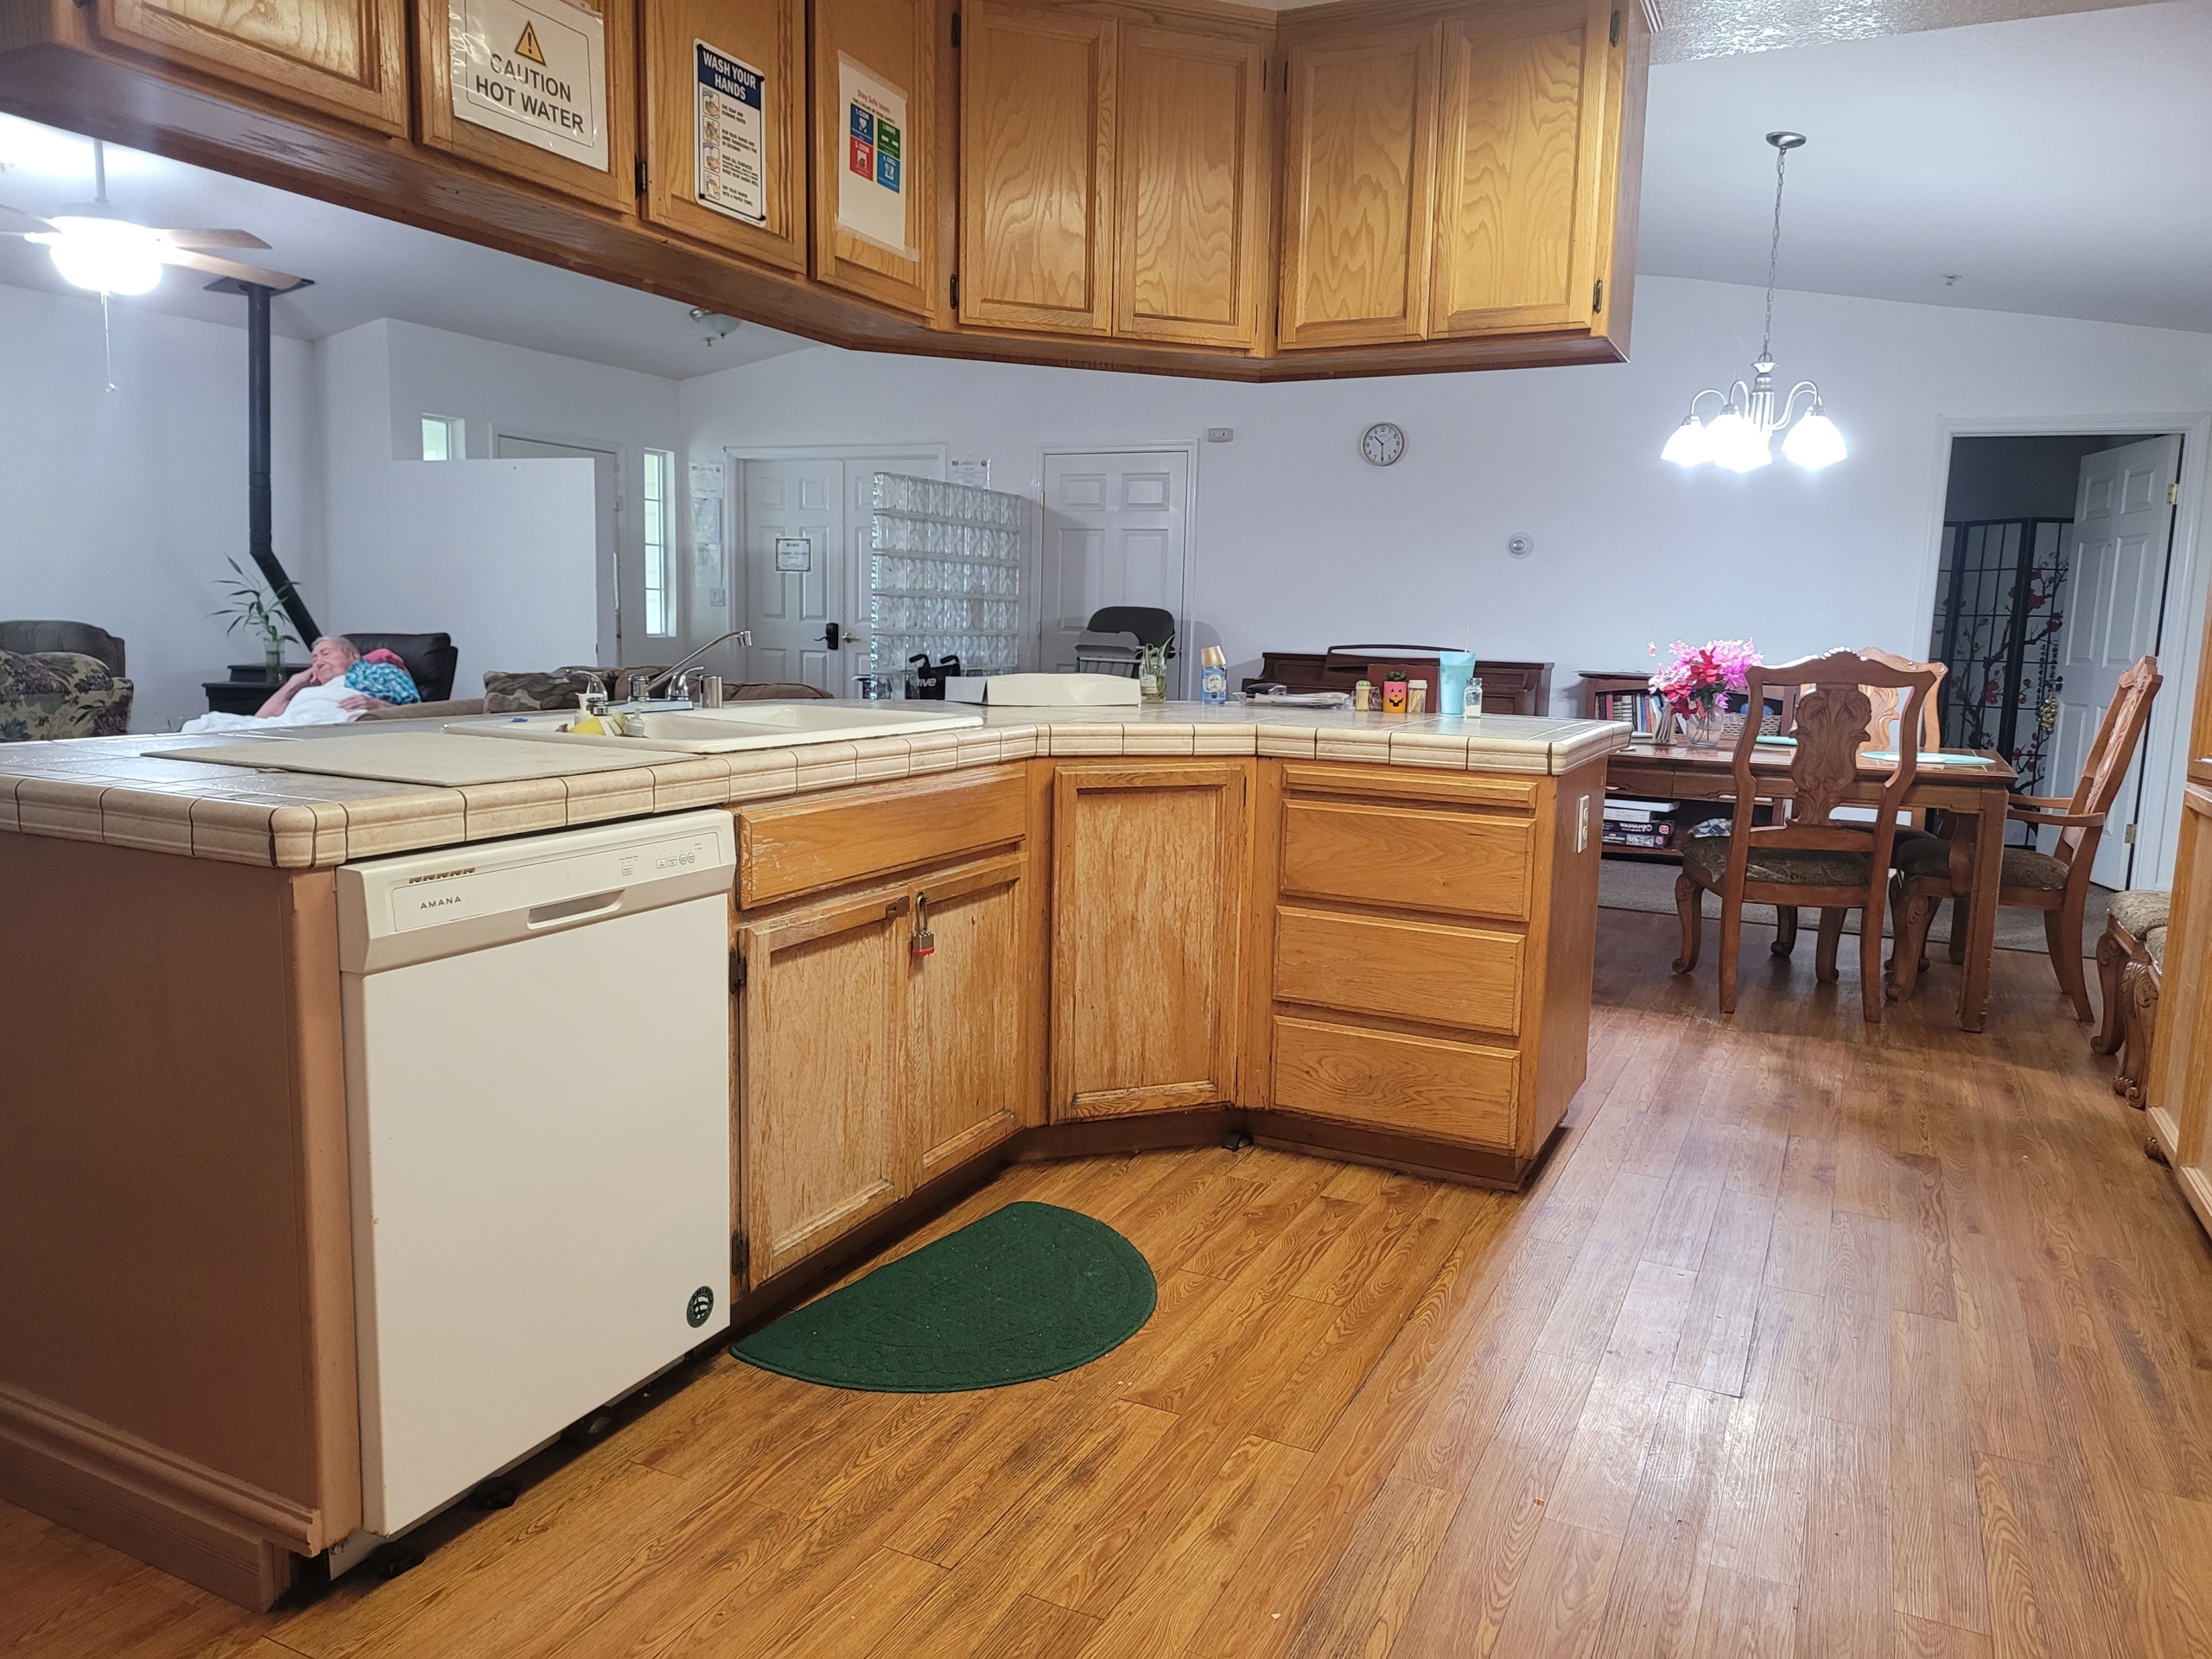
x: 1117, y: 524
x: 617, y: 604
x: 794, y: 562
x: 2122, y: 532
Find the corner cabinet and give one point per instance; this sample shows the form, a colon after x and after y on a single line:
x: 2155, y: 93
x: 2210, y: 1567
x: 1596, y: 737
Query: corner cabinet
x: 1470, y: 176
x: 343, y: 58
x: 1113, y: 176
x: 725, y: 105
x: 1149, y: 863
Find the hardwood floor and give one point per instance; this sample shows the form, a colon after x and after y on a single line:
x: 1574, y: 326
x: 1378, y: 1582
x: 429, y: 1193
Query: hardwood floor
x: 1811, y: 1339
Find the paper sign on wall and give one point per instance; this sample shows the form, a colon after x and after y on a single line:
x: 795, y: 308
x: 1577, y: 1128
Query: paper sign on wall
x: 872, y: 185
x: 535, y: 70
x: 794, y: 553
x: 730, y: 127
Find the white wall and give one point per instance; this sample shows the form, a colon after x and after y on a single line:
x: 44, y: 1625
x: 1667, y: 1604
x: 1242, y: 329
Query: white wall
x: 499, y: 553
x: 1299, y: 543
x: 120, y: 507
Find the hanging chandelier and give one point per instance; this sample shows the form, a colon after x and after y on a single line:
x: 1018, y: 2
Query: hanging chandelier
x: 1741, y: 437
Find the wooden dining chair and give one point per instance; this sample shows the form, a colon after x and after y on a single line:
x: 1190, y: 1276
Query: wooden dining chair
x: 1930, y: 869
x: 1810, y: 858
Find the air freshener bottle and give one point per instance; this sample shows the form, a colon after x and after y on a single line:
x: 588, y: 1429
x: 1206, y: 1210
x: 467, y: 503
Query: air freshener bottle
x: 1213, y: 675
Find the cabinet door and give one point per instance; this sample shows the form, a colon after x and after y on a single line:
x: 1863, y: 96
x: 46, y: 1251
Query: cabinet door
x: 1036, y: 169
x: 818, y: 1065
x: 567, y: 78
x: 1148, y: 866
x: 875, y: 184
x: 725, y: 97
x: 347, y: 58
x: 1192, y: 188
x: 1358, y: 186
x: 965, y: 1024
x: 1520, y: 168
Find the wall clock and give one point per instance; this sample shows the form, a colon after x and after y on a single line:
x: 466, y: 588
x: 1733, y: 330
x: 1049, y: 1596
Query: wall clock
x: 1383, y: 444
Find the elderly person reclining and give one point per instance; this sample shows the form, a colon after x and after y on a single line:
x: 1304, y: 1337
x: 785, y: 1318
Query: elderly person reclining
x: 338, y: 684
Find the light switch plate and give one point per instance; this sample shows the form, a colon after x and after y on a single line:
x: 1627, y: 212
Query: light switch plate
x: 1582, y: 823
x: 1221, y: 434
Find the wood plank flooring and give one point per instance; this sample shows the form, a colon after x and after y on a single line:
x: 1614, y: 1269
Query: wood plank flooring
x: 1811, y: 1339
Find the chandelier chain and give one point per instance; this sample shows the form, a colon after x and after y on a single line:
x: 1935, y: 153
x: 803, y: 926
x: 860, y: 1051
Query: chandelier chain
x: 1774, y: 253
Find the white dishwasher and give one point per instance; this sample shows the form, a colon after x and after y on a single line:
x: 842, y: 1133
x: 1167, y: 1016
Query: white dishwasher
x: 538, y: 1053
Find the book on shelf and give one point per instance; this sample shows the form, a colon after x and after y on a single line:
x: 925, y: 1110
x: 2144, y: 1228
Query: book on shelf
x: 1655, y: 839
x: 1625, y: 809
x: 1640, y: 710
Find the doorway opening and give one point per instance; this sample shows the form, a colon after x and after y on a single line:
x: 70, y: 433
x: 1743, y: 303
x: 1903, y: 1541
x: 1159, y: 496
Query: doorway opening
x: 2052, y: 580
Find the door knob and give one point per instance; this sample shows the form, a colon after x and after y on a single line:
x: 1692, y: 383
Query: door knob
x: 831, y: 633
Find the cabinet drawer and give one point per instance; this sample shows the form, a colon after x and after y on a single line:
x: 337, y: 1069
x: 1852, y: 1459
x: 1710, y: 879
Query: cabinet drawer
x: 1412, y: 970
x: 1458, y: 862
x: 803, y: 846
x: 1413, y: 1085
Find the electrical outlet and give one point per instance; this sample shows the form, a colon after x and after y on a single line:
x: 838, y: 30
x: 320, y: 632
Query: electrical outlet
x: 1582, y: 823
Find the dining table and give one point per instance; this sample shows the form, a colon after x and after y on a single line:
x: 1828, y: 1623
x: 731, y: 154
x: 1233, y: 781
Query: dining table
x: 1974, y: 784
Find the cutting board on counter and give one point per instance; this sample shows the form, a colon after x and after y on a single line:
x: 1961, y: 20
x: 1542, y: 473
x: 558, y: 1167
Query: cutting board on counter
x: 445, y: 759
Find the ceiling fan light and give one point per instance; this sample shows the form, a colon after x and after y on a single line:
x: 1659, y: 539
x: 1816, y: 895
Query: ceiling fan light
x: 106, y: 256
x: 1814, y: 442
x: 1690, y: 444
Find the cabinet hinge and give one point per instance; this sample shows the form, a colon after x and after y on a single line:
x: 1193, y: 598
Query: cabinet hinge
x: 1597, y: 295
x: 736, y: 970
x: 956, y: 31
x: 740, y: 1254
x: 1614, y: 37
x: 955, y: 290
x: 641, y: 175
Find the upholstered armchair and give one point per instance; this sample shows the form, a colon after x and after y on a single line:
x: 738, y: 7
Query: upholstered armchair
x: 59, y: 694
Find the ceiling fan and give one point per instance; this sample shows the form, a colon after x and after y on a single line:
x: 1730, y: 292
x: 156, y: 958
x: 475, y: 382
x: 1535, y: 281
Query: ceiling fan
x: 95, y: 247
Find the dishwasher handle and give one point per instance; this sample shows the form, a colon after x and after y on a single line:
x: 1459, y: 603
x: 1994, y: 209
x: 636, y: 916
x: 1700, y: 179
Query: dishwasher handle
x: 574, y: 909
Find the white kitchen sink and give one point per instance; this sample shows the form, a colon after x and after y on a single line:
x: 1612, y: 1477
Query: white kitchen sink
x: 737, y: 726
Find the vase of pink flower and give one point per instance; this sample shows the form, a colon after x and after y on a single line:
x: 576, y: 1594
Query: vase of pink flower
x: 1695, y: 681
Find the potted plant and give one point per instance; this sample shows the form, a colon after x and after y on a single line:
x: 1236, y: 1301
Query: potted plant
x: 1695, y: 681
x: 258, y: 610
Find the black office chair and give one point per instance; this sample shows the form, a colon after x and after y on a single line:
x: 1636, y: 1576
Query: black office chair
x: 431, y: 658
x: 1147, y: 624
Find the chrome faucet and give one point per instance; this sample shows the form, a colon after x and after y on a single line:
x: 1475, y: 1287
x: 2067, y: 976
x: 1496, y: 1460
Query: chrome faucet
x: 673, y: 678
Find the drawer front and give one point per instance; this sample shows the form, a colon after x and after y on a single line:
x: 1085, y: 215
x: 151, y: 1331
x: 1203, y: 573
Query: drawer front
x: 1461, y: 863
x: 1426, y: 1086
x: 811, y: 844
x: 1411, y: 784
x: 1465, y: 976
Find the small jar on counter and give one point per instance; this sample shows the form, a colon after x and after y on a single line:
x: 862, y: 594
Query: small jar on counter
x: 1416, y: 696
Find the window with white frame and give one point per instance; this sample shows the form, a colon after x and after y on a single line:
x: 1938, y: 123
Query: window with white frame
x: 661, y: 587
x: 445, y: 437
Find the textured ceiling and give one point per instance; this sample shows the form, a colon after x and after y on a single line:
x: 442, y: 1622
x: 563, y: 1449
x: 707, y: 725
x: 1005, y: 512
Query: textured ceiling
x: 1682, y: 30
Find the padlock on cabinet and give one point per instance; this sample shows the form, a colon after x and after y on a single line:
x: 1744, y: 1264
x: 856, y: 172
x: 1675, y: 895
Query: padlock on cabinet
x: 924, y: 942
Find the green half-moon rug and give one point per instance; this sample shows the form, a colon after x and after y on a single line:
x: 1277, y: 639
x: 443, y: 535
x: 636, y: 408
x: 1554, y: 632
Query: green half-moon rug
x: 1028, y: 1291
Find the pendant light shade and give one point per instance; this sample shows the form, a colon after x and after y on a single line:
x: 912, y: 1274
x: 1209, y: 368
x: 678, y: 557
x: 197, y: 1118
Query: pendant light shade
x: 1814, y: 442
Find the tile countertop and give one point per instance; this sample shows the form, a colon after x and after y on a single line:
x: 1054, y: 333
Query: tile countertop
x: 148, y: 793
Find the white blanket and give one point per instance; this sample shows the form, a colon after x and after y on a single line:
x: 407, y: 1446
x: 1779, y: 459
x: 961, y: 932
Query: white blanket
x: 311, y: 705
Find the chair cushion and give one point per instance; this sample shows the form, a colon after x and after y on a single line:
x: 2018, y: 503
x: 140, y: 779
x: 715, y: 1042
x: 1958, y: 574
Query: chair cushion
x: 1926, y: 855
x: 2140, y: 909
x: 59, y: 694
x: 77, y: 639
x: 2154, y: 946
x: 1706, y: 858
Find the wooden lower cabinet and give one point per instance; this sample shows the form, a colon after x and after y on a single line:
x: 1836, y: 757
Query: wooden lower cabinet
x: 865, y: 1066
x: 1148, y: 876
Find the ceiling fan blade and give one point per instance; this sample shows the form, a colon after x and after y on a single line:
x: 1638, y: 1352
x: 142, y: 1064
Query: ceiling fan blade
x: 211, y: 238
x: 36, y: 223
x: 277, y: 280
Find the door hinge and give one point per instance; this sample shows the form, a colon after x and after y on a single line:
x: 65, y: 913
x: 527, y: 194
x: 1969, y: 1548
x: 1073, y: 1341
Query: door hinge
x: 641, y: 175
x: 956, y: 31
x: 2130, y: 837
x: 1597, y: 295
x: 1614, y: 37
x: 740, y: 1254
x: 736, y: 970
x: 955, y: 290
x: 2173, y: 495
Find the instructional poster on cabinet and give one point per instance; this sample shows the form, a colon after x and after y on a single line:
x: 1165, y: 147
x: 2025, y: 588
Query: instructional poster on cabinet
x: 731, y: 127
x: 872, y: 184
x: 535, y: 70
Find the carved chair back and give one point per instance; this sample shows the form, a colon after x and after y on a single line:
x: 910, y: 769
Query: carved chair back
x: 1886, y: 730
x: 2110, y: 755
x: 1835, y: 722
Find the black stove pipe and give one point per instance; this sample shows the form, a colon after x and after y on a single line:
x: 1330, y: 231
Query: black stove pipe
x: 261, y: 538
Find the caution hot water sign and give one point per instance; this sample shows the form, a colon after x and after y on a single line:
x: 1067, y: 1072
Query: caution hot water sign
x: 535, y: 70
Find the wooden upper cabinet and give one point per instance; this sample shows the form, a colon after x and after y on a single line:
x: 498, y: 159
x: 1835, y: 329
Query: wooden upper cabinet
x: 1190, y: 252
x: 1357, y: 164
x: 1037, y: 107
x: 725, y: 88
x: 544, y: 91
x: 347, y: 58
x: 874, y: 175
x: 1529, y: 132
